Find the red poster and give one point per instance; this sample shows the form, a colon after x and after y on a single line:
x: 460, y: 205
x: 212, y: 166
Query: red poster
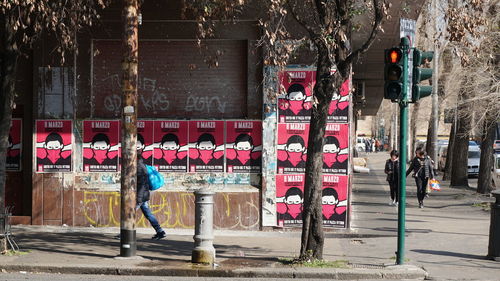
x: 292, y: 147
x: 206, y: 146
x: 171, y: 146
x: 289, y: 199
x: 145, y: 141
x: 294, y: 103
x: 54, y: 145
x: 14, y: 148
x: 339, y: 108
x: 334, y: 198
x: 243, y: 146
x: 101, y: 145
x: 336, y: 149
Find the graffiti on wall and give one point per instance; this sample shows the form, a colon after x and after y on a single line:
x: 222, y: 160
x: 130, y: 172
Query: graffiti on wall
x: 173, y: 210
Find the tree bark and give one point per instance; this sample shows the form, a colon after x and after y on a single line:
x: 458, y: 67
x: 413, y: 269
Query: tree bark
x: 449, y: 154
x: 459, y: 174
x: 484, y: 182
x: 129, y: 128
x: 312, y: 227
x: 8, y: 66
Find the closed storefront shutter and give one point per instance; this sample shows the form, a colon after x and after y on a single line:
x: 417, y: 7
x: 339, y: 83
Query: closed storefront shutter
x: 177, y: 79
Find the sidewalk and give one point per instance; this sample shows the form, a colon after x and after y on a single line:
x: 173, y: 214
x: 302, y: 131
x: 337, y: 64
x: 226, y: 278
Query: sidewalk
x: 449, y: 238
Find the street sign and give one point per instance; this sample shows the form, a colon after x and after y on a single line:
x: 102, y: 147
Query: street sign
x: 407, y: 28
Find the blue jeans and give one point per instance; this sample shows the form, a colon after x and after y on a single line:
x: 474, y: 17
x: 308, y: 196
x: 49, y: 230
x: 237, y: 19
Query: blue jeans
x: 149, y: 216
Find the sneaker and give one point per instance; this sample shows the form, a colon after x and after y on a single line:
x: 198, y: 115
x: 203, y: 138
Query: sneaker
x: 159, y: 235
x: 421, y: 205
x: 391, y: 203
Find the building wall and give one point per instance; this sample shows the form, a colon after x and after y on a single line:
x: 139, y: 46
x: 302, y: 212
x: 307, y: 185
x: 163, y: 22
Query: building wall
x: 177, y: 81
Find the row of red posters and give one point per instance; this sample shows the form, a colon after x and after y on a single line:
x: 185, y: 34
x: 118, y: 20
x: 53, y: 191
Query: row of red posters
x: 292, y: 148
x: 295, y: 100
x: 290, y: 194
x: 171, y: 146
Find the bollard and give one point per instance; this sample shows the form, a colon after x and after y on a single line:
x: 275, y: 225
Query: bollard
x: 204, y: 251
x: 494, y: 245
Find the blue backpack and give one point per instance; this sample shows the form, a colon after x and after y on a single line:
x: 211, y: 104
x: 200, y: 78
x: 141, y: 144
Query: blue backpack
x: 155, y: 178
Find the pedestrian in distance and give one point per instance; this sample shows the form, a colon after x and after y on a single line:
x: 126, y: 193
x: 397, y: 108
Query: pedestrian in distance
x: 421, y: 167
x: 142, y: 198
x: 392, y: 171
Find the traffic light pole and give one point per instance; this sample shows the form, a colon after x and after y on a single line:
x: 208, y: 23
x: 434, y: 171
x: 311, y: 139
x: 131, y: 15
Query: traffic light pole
x: 403, y: 131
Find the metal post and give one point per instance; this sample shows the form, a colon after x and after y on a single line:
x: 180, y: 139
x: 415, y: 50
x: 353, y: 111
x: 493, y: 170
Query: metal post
x: 204, y: 251
x: 494, y: 243
x: 435, y: 106
x: 403, y: 106
x: 128, y: 240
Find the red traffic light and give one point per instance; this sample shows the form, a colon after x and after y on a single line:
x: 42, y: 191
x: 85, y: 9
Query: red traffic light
x: 393, y: 55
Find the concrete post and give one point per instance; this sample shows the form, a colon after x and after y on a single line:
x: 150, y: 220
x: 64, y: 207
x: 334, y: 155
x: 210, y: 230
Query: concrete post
x: 494, y: 245
x: 204, y: 251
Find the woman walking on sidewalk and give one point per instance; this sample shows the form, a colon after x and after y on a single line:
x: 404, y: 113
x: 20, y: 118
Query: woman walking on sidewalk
x: 392, y: 171
x: 422, y: 172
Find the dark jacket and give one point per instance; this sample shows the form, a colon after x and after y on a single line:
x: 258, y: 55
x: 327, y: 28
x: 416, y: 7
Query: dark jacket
x: 142, y: 183
x: 421, y: 168
x: 392, y: 170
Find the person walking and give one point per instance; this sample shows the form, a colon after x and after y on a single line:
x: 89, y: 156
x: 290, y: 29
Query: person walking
x: 421, y: 167
x: 392, y: 171
x: 142, y: 198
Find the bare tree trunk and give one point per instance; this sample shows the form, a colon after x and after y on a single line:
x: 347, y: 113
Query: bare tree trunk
x: 312, y: 228
x: 8, y: 66
x: 449, y: 154
x: 129, y: 129
x: 484, y: 182
x: 459, y: 174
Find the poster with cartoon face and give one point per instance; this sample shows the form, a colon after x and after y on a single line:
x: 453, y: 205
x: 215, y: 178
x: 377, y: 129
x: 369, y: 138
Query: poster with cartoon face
x: 339, y: 108
x: 206, y: 146
x: 145, y: 141
x: 14, y: 148
x: 334, y: 200
x: 292, y: 147
x: 243, y: 146
x: 294, y: 101
x: 101, y: 145
x: 171, y: 146
x: 54, y: 145
x: 336, y: 149
x: 289, y: 199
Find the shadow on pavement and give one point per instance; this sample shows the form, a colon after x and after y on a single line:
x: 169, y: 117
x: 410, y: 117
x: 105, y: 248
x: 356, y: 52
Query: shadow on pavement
x: 450, y: 254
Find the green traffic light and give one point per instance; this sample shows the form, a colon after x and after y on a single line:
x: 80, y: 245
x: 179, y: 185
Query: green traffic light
x: 420, y: 74
x: 419, y: 92
x: 419, y: 57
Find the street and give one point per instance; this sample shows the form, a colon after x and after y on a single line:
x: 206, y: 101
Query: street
x: 448, y: 238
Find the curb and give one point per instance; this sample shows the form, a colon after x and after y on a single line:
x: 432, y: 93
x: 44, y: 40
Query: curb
x: 390, y: 272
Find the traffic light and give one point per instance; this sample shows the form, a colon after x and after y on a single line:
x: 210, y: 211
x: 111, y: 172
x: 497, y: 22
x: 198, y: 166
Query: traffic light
x: 420, y: 74
x: 393, y: 74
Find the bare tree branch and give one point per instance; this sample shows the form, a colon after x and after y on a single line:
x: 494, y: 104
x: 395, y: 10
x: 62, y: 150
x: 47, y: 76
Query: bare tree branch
x: 379, y: 6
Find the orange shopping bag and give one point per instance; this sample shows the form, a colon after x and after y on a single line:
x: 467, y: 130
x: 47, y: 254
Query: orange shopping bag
x: 434, y: 184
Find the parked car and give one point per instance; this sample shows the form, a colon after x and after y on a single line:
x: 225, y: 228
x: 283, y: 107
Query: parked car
x: 360, y: 144
x: 473, y: 143
x: 473, y: 160
x: 442, y: 152
x: 496, y: 146
x: 496, y: 170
